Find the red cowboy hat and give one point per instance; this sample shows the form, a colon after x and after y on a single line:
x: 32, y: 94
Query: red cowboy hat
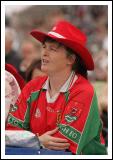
x: 14, y: 72
x: 70, y: 36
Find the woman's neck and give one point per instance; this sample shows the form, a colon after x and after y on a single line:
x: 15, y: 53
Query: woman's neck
x: 57, y: 80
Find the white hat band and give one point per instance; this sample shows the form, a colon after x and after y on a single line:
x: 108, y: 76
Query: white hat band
x: 56, y: 34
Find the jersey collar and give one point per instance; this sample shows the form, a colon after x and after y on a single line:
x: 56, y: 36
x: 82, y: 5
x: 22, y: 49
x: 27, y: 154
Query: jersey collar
x: 67, y: 85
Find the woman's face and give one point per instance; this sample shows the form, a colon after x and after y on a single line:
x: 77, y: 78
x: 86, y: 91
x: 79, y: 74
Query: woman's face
x: 54, y: 58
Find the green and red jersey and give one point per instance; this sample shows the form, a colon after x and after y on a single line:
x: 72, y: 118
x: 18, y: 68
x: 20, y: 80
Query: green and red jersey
x: 74, y: 112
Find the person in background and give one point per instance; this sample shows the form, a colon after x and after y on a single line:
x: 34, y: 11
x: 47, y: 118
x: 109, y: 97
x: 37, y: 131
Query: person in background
x: 14, y: 83
x: 61, y: 108
x: 11, y: 55
x: 34, y: 70
x: 103, y: 107
x: 29, y: 51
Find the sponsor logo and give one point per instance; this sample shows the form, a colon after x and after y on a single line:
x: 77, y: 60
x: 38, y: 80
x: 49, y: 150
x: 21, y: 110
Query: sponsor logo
x: 70, y: 119
x: 70, y: 132
x: 73, y: 115
x: 16, y: 122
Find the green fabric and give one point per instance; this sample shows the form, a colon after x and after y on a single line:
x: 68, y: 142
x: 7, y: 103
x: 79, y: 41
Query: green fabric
x: 14, y: 121
x: 32, y: 98
x: 17, y: 122
x: 94, y: 148
x: 27, y: 116
x: 66, y: 94
x: 90, y: 139
x: 69, y: 132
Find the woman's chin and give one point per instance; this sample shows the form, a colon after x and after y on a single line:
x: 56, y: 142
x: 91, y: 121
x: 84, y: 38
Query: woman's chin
x: 44, y: 69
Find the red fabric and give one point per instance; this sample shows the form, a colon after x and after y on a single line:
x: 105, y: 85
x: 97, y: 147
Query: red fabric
x: 80, y: 97
x: 69, y: 35
x: 102, y: 138
x: 14, y: 72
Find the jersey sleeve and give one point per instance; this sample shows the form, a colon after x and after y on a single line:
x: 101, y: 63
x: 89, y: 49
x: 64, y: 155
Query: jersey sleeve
x: 80, y: 121
x: 19, y: 114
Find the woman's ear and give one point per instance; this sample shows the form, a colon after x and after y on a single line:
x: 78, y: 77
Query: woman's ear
x: 71, y: 59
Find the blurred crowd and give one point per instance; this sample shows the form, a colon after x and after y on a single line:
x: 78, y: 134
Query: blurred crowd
x: 24, y: 53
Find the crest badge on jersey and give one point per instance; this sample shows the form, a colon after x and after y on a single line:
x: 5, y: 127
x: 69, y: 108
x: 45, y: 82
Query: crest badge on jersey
x: 37, y: 113
x: 73, y: 115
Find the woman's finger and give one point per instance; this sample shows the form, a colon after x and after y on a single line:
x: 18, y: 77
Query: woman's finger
x: 54, y: 139
x: 59, y: 144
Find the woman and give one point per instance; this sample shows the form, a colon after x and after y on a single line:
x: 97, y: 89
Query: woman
x: 61, y: 109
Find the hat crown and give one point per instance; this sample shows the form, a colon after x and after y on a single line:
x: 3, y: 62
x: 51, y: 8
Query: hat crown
x: 69, y: 35
x: 70, y: 32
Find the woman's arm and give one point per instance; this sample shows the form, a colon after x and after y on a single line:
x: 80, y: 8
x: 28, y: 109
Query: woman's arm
x: 50, y: 142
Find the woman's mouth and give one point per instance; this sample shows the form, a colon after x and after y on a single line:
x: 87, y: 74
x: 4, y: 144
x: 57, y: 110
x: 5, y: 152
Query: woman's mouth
x: 44, y: 61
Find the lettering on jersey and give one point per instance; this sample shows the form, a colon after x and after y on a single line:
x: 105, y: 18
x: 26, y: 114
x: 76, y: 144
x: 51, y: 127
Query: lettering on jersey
x: 49, y: 109
x: 14, y: 121
x: 73, y: 115
x: 37, y: 113
x: 70, y: 132
x: 17, y: 122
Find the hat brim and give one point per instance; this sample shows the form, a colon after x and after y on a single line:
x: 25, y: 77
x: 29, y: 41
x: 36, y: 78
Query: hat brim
x: 74, y: 45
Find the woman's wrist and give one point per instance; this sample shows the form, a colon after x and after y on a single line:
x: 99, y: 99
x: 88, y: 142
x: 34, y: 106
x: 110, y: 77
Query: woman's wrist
x: 41, y: 144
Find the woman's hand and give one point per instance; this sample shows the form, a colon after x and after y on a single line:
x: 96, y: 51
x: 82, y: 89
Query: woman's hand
x: 52, y: 142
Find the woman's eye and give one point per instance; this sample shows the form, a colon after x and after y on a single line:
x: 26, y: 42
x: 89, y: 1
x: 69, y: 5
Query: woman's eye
x: 53, y: 49
x: 50, y: 48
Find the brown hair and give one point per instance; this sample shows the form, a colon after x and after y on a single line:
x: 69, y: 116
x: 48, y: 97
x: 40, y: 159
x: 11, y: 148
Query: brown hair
x: 79, y: 66
x: 34, y: 64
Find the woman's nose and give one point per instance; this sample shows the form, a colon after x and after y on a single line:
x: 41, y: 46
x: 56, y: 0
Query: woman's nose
x: 45, y: 52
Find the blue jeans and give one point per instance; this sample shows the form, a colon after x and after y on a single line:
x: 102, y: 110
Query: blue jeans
x: 33, y: 151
